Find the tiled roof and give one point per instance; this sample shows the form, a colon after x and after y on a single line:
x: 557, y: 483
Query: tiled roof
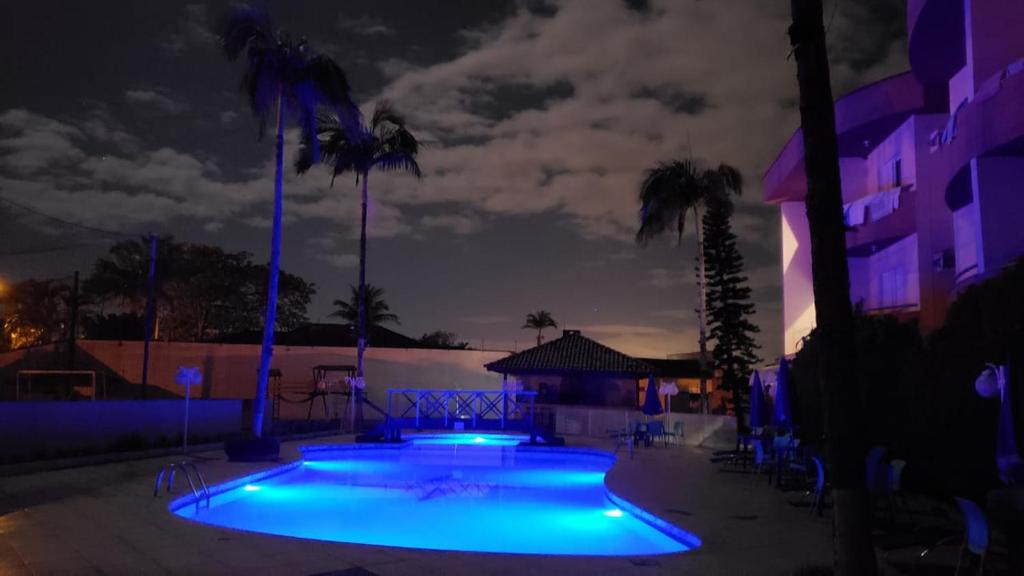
x: 573, y: 352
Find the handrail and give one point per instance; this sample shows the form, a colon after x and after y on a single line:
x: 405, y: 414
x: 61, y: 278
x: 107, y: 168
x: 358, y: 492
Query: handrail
x: 494, y: 409
x: 188, y: 468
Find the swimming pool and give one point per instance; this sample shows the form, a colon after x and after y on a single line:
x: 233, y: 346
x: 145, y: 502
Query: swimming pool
x: 468, y: 492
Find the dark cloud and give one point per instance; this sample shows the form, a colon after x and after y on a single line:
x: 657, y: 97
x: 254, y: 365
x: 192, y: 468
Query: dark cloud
x: 866, y: 33
x: 677, y: 100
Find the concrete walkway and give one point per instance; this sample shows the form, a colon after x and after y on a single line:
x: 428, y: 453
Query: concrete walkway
x: 104, y: 520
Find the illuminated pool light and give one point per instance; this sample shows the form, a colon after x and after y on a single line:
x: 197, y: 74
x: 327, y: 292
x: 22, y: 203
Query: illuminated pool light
x: 615, y: 513
x: 252, y: 488
x: 479, y: 439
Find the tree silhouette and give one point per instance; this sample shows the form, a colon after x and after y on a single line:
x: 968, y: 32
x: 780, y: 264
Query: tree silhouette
x: 538, y: 321
x: 667, y: 195
x: 349, y: 145
x: 286, y: 78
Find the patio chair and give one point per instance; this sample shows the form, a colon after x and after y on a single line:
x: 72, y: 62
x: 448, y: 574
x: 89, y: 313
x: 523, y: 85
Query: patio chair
x: 655, y: 430
x: 818, y: 495
x: 676, y: 433
x: 763, y: 461
x: 976, y: 539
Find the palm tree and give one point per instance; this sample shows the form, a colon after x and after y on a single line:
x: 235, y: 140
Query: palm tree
x: 284, y: 77
x: 538, y: 321
x: 377, y: 310
x: 347, y: 144
x: 668, y: 193
x: 843, y: 405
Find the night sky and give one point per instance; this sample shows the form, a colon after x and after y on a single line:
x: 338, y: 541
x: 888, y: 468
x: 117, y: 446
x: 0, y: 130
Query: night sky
x: 539, y: 120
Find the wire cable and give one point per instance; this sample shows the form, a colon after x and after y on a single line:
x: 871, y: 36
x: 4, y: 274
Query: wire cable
x: 66, y: 222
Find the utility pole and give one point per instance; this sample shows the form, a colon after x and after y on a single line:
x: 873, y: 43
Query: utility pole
x: 150, y: 309
x: 73, y: 323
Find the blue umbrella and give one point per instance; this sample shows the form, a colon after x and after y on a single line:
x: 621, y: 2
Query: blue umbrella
x: 783, y: 417
x: 1008, y: 459
x: 758, y: 415
x: 652, y: 405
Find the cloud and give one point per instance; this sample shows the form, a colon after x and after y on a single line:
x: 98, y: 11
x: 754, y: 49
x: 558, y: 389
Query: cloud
x: 670, y: 278
x: 644, y: 93
x: 31, y: 142
x: 643, y: 340
x: 325, y: 249
x: 193, y: 31
x: 487, y: 319
x: 154, y: 99
x: 363, y: 26
x: 454, y: 223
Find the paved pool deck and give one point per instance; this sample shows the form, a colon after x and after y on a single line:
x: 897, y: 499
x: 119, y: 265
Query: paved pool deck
x: 104, y: 520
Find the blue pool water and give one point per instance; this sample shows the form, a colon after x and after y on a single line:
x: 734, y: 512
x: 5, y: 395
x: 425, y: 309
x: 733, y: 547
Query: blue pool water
x: 467, y: 492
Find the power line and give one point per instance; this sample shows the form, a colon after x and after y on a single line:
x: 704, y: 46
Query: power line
x: 66, y: 222
x: 47, y: 250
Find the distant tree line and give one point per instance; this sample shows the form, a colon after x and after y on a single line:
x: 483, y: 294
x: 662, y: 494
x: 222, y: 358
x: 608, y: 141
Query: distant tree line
x: 201, y: 292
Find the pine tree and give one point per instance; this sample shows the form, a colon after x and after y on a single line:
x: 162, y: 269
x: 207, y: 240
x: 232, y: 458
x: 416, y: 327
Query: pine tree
x: 729, y: 306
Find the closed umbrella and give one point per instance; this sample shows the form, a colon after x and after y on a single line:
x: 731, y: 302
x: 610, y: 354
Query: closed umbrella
x: 652, y: 405
x: 783, y: 418
x: 758, y: 412
x: 1008, y: 460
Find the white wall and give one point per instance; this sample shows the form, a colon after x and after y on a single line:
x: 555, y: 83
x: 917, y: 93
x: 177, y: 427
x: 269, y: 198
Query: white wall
x: 798, y: 289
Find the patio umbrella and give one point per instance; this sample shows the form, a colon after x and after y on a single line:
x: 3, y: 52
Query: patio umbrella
x: 758, y: 413
x: 652, y: 405
x: 1008, y: 461
x: 782, y: 417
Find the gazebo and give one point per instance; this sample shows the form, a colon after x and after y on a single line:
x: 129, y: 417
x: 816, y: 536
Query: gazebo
x: 574, y: 369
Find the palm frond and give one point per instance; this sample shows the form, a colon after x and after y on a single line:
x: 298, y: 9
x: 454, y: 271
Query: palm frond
x: 384, y: 113
x: 243, y: 28
x: 398, y: 162
x: 330, y: 82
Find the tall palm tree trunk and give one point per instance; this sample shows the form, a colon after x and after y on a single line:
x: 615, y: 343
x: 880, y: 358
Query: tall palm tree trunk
x: 361, y: 320
x: 854, y: 553
x: 702, y: 313
x: 540, y: 337
x: 267, y: 348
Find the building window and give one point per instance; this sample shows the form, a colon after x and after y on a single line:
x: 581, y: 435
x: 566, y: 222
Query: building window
x: 891, y: 174
x: 965, y: 238
x: 893, y: 288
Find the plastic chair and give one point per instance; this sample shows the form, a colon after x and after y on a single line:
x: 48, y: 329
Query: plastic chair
x: 975, y: 534
x: 819, y: 485
x: 762, y: 461
x: 655, y: 430
x: 877, y: 472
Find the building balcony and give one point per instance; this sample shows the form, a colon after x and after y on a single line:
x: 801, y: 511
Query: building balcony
x: 990, y: 125
x: 879, y: 230
x: 864, y: 118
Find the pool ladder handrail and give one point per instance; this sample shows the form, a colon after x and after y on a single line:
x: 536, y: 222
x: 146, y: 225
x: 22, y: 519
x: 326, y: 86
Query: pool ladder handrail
x: 189, y: 469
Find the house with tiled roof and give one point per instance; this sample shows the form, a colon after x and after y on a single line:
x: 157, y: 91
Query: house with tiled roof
x: 574, y: 369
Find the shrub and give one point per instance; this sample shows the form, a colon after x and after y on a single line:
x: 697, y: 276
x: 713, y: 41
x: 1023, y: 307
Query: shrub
x: 919, y: 397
